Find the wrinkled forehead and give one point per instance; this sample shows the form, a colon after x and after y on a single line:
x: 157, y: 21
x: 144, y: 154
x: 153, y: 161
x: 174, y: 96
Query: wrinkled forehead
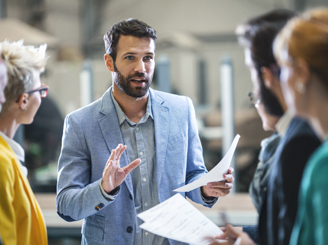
x: 135, y: 44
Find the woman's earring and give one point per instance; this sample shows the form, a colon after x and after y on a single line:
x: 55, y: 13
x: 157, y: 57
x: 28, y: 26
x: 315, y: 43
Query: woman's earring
x: 23, y: 109
x: 300, y: 87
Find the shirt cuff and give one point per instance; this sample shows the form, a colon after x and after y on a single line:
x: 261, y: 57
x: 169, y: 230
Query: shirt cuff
x: 207, y: 200
x: 112, y: 195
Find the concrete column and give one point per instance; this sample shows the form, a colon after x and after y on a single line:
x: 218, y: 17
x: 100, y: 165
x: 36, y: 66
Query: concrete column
x: 227, y: 109
x: 163, y: 74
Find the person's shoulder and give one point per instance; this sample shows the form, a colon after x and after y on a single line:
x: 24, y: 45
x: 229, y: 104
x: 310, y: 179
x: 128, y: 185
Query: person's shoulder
x: 7, y: 157
x: 317, y: 166
x: 300, y: 126
x: 300, y: 130
x: 321, y: 155
x: 168, y: 97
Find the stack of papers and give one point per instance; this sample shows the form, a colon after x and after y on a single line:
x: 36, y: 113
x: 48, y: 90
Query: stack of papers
x: 178, y: 219
x: 216, y: 174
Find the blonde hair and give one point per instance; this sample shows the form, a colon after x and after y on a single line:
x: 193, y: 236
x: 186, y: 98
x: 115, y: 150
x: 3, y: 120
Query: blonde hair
x: 305, y: 37
x: 21, y: 61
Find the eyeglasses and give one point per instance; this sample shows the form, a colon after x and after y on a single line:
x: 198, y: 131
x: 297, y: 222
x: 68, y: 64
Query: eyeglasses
x: 253, y: 98
x: 43, y: 90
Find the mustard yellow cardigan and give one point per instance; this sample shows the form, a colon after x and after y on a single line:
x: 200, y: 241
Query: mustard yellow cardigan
x: 21, y: 220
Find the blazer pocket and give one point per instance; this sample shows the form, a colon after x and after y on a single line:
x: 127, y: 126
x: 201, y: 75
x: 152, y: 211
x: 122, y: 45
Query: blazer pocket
x: 94, y: 228
x: 178, y: 138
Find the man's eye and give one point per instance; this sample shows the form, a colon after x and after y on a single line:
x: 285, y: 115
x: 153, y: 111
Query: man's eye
x: 148, y: 58
x: 129, y: 57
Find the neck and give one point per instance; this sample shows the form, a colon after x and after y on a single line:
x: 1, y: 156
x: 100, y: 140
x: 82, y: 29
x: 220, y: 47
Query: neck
x: 318, y: 109
x: 279, y: 94
x: 133, y: 108
x: 319, y: 121
x: 8, y: 125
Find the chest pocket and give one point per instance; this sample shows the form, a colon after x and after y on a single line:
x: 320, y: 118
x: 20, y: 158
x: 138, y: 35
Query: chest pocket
x: 177, y: 145
x: 176, y: 139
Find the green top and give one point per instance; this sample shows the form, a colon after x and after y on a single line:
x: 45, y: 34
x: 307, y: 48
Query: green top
x: 311, y: 225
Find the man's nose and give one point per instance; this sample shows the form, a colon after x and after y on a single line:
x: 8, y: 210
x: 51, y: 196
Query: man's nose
x: 140, y: 66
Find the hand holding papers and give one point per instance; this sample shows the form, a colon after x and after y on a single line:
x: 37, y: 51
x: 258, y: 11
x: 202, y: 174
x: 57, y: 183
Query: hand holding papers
x: 179, y: 220
x: 216, y: 174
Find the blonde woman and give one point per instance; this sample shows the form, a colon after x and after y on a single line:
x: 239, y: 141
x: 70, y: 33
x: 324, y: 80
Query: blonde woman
x: 302, y: 52
x: 21, y: 219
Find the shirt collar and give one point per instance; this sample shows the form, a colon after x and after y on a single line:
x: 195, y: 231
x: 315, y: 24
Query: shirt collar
x: 17, y: 148
x: 283, y: 123
x: 122, y: 117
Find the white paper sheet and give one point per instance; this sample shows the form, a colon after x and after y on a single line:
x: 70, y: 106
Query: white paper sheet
x: 179, y: 220
x: 216, y: 174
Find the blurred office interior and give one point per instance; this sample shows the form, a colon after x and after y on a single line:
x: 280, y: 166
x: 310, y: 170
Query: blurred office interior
x: 197, y: 55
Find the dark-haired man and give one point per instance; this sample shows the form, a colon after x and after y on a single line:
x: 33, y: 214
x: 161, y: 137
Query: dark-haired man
x: 278, y: 182
x: 159, y: 131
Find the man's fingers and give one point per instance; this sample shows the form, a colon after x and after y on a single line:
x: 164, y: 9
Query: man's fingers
x: 219, y: 185
x: 120, y: 149
x: 218, y: 192
x: 230, y: 170
x: 127, y: 169
x: 107, y: 169
x: 232, y: 232
x: 111, y: 157
x: 229, y: 178
x: 224, y: 235
x: 229, y: 185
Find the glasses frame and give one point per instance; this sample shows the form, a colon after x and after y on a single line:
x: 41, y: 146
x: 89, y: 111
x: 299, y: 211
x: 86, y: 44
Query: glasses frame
x: 253, y: 98
x: 43, y: 90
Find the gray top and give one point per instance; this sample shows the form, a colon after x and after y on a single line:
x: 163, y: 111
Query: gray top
x: 140, y: 141
x: 259, y: 183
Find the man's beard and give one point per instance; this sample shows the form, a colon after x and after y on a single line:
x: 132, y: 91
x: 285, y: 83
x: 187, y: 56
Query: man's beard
x: 124, y: 83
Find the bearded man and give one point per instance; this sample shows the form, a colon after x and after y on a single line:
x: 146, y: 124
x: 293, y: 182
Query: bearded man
x: 132, y: 127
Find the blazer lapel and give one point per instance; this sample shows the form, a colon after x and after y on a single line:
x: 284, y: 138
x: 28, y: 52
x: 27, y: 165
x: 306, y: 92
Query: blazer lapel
x: 161, y: 115
x: 110, y: 128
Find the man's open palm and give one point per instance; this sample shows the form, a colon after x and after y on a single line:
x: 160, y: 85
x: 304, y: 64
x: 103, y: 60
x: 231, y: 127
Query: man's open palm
x: 113, y: 174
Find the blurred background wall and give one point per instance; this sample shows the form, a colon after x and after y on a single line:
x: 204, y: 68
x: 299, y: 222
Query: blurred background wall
x: 194, y: 38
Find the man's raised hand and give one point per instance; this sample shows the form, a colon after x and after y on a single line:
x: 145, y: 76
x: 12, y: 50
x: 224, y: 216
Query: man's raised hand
x: 113, y: 174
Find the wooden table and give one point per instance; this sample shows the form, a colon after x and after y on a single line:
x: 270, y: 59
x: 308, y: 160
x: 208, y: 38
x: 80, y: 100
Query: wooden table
x: 238, y: 208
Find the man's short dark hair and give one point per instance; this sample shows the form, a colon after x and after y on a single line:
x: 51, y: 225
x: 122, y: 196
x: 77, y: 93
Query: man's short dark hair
x: 258, y: 35
x: 278, y: 17
x: 129, y: 27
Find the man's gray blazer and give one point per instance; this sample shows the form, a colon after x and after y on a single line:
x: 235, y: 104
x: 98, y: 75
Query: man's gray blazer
x: 89, y: 136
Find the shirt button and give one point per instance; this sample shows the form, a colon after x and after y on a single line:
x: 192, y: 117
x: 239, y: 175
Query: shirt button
x: 129, y: 229
x: 146, y: 233
x: 141, y: 153
x: 146, y: 204
x: 144, y: 179
x: 137, y: 129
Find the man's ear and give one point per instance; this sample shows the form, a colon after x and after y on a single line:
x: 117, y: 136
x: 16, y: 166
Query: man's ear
x: 23, y: 101
x: 267, y: 77
x: 109, y: 62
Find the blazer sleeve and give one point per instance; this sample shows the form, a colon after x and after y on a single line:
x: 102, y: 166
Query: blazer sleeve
x: 293, y: 160
x: 77, y: 198
x: 195, y: 162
